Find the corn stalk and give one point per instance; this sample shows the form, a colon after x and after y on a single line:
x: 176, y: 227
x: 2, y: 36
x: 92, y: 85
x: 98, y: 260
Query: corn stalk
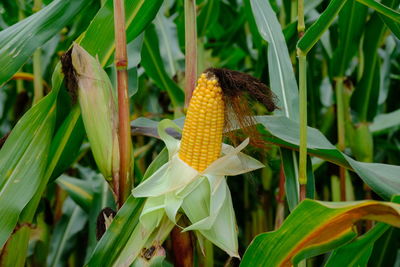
x: 122, y: 183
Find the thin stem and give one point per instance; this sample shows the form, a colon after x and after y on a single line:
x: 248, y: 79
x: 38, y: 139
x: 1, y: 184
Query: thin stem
x: 303, y: 104
x: 124, y: 138
x: 293, y: 10
x: 20, y: 85
x: 37, y: 73
x: 341, y: 133
x: 209, y: 251
x: 37, y: 70
x: 21, y: 16
x: 303, y: 191
x: 191, y: 49
x: 300, y: 21
x: 280, y: 199
x: 340, y: 113
x: 303, y: 119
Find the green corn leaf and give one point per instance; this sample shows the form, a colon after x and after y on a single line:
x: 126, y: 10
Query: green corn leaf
x: 18, y: 42
x: 207, y: 16
x: 79, y: 190
x: 124, y: 223
x: 71, y: 223
x: 385, y: 251
x: 283, y: 81
x: 382, y: 178
x: 101, y: 25
x: 142, y: 238
x: 384, y: 8
x: 365, y: 98
x: 385, y: 122
x: 351, y: 23
x: 67, y: 142
x: 138, y: 14
x: 283, y: 84
x: 392, y: 25
x: 152, y: 63
x: 357, y: 253
x: 171, y: 53
x: 317, y: 29
x: 21, y: 237
x: 324, y: 226
x: 102, y: 198
x: 24, y: 161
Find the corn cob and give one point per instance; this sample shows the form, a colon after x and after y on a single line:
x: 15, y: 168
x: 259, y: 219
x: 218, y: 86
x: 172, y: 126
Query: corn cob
x: 202, y: 133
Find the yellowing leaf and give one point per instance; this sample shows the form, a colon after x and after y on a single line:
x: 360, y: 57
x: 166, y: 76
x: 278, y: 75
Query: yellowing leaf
x: 314, y: 228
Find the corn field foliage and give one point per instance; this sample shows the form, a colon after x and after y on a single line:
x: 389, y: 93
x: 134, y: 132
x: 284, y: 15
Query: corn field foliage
x: 323, y: 195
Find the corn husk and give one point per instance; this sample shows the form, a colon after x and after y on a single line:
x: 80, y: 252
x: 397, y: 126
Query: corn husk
x: 98, y: 104
x: 203, y: 196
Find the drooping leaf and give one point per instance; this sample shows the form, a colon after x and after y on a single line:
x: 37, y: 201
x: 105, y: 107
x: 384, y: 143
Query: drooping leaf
x: 314, y: 228
x: 18, y: 42
x: 382, y: 178
x: 358, y: 252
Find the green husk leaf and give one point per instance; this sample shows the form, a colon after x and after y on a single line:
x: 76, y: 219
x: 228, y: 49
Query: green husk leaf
x: 98, y: 106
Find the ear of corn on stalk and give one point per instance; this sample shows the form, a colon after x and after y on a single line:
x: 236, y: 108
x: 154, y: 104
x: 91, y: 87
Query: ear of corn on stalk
x: 202, y: 133
x: 193, y: 180
x: 98, y: 106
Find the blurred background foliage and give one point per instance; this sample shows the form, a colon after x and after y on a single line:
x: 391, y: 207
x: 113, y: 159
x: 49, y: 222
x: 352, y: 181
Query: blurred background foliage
x: 358, y: 48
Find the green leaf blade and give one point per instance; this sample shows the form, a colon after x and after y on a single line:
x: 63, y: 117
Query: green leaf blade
x: 18, y: 42
x: 24, y: 162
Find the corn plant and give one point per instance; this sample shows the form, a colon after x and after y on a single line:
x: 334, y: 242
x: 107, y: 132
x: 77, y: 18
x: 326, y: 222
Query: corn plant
x: 199, y: 133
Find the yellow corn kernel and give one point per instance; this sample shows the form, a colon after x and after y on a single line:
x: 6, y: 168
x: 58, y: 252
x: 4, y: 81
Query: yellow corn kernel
x: 202, y: 133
